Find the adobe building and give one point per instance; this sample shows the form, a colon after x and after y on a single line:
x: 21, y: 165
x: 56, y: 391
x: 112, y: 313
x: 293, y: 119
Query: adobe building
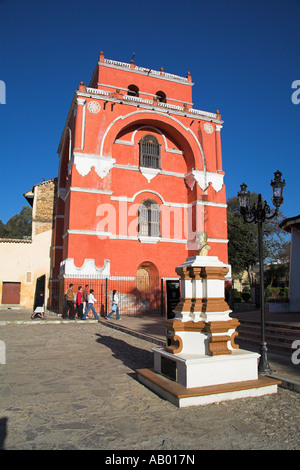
x: 140, y: 174
x: 25, y: 263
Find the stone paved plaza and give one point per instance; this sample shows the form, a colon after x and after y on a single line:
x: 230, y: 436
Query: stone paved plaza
x: 74, y: 386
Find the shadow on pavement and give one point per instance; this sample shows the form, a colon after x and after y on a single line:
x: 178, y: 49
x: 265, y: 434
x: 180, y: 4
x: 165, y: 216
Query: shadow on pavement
x: 131, y: 356
x: 3, y: 431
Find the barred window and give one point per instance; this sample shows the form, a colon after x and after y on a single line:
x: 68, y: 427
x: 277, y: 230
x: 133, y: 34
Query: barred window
x: 149, y: 219
x: 149, y: 151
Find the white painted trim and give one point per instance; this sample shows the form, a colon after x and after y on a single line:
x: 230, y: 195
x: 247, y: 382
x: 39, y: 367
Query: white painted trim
x: 165, y: 203
x: 203, y: 178
x: 89, y: 268
x: 90, y: 190
x: 97, y: 233
x: 85, y: 161
x: 82, y: 102
x: 143, y: 93
x: 123, y: 142
x: 187, y: 129
x: 149, y: 173
x: 128, y: 199
x: 126, y: 167
x: 217, y: 240
x: 145, y: 71
x: 190, y: 113
x: 143, y: 239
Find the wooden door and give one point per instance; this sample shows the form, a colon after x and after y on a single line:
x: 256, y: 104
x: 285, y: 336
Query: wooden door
x: 11, y: 292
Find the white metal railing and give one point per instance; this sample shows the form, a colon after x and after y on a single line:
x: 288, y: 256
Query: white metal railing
x: 146, y: 70
x: 116, y: 62
x: 150, y: 102
x: 136, y: 98
x: 97, y: 91
x: 203, y: 113
x: 170, y: 106
x: 176, y: 77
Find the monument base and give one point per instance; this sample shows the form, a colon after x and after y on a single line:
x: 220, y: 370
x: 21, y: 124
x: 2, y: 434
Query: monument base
x: 201, y: 363
x: 181, y: 396
x: 195, y: 370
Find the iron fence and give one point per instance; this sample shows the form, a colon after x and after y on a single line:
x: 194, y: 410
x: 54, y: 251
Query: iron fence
x: 136, y: 296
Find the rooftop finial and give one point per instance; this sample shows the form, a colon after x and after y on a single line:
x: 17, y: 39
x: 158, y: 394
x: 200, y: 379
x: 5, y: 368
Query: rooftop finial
x: 101, y: 56
x: 132, y: 58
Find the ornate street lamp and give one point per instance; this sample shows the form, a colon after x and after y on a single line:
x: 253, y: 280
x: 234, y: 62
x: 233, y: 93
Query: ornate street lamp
x: 258, y: 213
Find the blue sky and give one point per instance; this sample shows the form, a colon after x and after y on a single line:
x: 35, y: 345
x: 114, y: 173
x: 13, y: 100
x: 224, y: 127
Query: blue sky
x: 243, y: 57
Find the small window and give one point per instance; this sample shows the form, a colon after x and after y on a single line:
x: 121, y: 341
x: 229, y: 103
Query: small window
x: 133, y: 90
x: 161, y: 97
x: 149, y: 152
x: 149, y: 219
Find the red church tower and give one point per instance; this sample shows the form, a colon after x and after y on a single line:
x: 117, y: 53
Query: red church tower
x: 140, y: 174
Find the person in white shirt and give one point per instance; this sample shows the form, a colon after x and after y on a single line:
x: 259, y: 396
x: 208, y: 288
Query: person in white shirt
x: 115, y: 306
x: 90, y: 306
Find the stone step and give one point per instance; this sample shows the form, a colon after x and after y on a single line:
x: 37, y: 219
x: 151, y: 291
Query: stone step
x: 279, y: 336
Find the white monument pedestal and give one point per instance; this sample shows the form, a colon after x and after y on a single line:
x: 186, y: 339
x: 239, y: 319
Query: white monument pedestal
x: 201, y: 364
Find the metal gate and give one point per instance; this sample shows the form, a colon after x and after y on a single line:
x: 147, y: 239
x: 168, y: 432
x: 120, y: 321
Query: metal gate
x: 137, y: 295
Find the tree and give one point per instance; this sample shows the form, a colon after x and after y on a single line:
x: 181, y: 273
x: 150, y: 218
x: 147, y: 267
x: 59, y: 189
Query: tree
x: 3, y: 232
x: 243, y: 239
x: 18, y: 226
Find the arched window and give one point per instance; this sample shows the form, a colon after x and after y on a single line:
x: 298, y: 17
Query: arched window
x: 149, y: 219
x: 149, y: 151
x: 161, y: 97
x: 133, y: 90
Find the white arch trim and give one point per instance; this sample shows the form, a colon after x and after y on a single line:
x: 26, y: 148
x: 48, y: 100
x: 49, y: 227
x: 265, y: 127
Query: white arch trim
x: 131, y: 199
x: 187, y: 129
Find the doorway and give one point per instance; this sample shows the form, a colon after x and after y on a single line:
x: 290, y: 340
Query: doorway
x: 11, y: 292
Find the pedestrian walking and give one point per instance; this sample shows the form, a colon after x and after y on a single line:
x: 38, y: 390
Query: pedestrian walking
x: 90, y: 306
x: 115, y: 306
x: 85, y: 297
x: 79, y: 305
x: 38, y: 311
x: 69, y: 303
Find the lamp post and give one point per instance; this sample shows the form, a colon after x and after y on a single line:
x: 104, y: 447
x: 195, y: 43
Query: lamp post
x: 258, y: 213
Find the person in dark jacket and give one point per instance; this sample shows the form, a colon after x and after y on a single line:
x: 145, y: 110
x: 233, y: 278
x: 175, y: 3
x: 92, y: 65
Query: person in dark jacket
x: 38, y: 311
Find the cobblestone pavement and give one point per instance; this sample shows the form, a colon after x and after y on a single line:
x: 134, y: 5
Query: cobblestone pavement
x: 70, y: 387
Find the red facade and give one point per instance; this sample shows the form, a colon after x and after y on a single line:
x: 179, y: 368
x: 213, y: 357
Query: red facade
x: 140, y: 173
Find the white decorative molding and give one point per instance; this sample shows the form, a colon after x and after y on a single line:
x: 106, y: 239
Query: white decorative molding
x: 85, y: 161
x: 90, y: 190
x: 68, y: 268
x: 144, y: 239
x: 124, y: 142
x: 171, y: 118
x: 190, y: 180
x: 203, y: 179
x: 94, y: 107
x: 82, y: 102
x: 149, y: 173
x: 98, y: 233
x: 168, y: 203
x: 208, y: 128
